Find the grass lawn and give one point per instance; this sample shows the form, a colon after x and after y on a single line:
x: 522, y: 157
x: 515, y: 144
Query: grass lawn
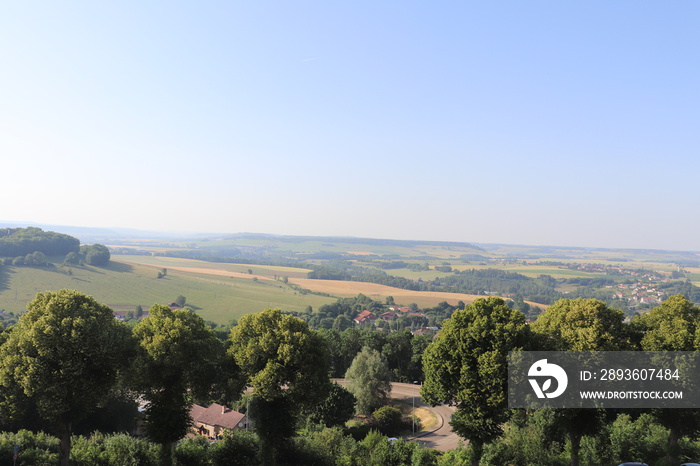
x: 425, y: 418
x: 124, y: 285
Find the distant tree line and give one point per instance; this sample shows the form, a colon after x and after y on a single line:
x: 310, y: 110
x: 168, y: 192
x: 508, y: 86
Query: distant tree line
x: 35, y: 259
x: 22, y: 241
x: 541, y: 289
x: 31, y: 246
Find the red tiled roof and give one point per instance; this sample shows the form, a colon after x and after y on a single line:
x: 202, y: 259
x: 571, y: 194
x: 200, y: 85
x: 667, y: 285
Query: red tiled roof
x: 216, y: 415
x: 365, y: 316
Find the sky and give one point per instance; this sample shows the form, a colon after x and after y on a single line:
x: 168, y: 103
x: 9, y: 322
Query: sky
x: 539, y: 122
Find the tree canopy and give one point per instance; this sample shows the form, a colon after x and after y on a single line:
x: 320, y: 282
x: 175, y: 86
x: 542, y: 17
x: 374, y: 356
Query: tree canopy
x: 673, y: 326
x: 177, y: 360
x: 466, y: 366
x: 63, y: 354
x: 369, y: 380
x: 22, y: 241
x: 95, y: 254
x: 582, y: 325
x: 286, y: 364
x: 279, y: 355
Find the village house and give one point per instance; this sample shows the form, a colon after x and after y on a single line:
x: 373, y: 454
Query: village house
x: 364, y: 317
x: 211, y: 422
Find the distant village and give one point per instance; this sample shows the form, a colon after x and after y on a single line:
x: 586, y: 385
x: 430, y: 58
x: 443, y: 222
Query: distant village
x: 368, y: 319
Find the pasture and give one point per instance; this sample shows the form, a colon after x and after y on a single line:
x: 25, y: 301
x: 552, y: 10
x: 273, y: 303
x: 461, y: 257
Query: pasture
x: 335, y: 288
x: 124, y: 286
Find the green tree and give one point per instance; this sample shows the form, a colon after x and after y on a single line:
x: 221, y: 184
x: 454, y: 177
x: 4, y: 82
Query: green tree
x: 673, y: 326
x: 177, y: 360
x: 72, y: 258
x: 369, y: 380
x: 240, y: 449
x: 180, y: 300
x: 466, y: 367
x: 336, y: 409
x: 389, y: 420
x: 341, y: 323
x: 95, y: 254
x: 63, y: 354
x: 580, y: 325
x: 22, y: 241
x: 398, y: 353
x: 285, y: 363
x: 37, y: 258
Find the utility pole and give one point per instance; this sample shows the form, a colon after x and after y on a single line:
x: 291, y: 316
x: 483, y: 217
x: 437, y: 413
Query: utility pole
x: 415, y: 382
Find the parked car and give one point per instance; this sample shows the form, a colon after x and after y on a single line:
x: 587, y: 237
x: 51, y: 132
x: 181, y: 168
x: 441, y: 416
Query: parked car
x: 633, y: 463
x: 690, y: 464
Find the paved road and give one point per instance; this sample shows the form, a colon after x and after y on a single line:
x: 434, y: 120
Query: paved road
x: 441, y: 437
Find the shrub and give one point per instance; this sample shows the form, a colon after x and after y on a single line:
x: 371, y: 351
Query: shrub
x: 38, y: 448
x: 88, y: 451
x: 237, y: 448
x: 125, y: 450
x: 192, y: 452
x: 389, y: 420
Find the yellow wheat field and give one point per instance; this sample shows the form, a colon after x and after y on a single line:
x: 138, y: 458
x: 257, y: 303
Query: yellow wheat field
x: 347, y: 289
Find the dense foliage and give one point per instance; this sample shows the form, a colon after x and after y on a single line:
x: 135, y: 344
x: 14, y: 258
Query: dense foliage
x: 171, y: 357
x: 177, y: 359
x: 22, y: 241
x: 63, y: 355
x: 95, y: 254
x: 543, y: 289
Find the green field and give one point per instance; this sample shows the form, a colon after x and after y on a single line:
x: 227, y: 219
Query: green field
x: 299, y: 246
x: 221, y: 291
x: 123, y: 286
x: 270, y: 271
x: 532, y: 271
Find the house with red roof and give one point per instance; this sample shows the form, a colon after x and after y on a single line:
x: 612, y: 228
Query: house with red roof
x: 365, y: 317
x: 211, y: 422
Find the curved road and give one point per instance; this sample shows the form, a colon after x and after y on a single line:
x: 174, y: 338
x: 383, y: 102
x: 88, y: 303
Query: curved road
x: 441, y: 436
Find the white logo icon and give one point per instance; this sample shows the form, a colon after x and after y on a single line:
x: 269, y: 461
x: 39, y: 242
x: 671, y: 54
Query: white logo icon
x: 543, y: 369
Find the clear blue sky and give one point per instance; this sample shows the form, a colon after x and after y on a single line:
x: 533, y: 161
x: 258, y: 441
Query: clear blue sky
x: 539, y: 122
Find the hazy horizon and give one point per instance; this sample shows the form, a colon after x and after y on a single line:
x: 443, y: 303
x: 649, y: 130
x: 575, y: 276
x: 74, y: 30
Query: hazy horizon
x: 185, y: 235
x: 539, y: 123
